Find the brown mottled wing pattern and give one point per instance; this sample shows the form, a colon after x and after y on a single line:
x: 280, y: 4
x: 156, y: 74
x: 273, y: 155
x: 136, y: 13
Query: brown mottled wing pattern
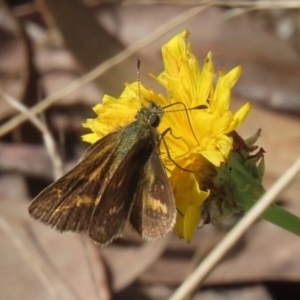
x: 119, y: 176
x: 116, y: 202
x: 153, y: 213
x: 68, y: 203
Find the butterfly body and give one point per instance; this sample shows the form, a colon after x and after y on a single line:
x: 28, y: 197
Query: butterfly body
x: 119, y: 178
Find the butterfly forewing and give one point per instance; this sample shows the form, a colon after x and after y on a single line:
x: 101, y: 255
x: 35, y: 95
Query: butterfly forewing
x: 68, y: 203
x: 153, y: 213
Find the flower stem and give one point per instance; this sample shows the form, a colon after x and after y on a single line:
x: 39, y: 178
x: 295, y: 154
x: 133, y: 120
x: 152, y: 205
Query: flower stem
x: 282, y: 218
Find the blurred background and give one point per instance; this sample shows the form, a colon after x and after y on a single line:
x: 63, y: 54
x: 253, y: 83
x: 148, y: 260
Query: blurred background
x: 46, y: 45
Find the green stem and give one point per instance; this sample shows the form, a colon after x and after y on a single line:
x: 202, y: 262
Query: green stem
x: 274, y: 214
x: 282, y: 218
x: 277, y: 216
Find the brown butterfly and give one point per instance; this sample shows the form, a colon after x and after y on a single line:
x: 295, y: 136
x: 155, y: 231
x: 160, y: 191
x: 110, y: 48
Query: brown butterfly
x: 120, y: 177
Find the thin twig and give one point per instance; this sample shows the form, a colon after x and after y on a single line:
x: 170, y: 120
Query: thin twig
x: 48, y: 139
x: 102, y: 68
x: 48, y: 262
x: 214, y: 257
x: 22, y: 248
x: 104, y: 293
x: 260, y: 4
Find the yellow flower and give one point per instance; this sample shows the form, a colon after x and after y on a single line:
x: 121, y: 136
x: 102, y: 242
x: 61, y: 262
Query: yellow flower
x: 198, y: 116
x: 115, y: 113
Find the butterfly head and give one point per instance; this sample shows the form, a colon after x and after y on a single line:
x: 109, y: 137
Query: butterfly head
x: 151, y: 114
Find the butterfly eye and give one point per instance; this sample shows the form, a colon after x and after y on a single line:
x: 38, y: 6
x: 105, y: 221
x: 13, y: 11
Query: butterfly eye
x: 154, y: 120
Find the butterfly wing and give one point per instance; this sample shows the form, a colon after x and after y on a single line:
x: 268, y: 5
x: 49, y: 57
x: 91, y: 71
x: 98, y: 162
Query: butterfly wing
x: 68, y: 203
x: 120, y: 174
x: 153, y: 213
x: 116, y: 202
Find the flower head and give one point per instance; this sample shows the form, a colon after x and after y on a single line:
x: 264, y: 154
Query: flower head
x: 196, y: 125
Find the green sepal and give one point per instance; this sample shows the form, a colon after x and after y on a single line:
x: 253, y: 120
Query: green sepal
x: 238, y: 186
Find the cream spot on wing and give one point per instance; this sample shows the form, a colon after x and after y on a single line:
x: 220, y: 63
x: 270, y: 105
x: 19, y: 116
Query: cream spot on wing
x: 84, y: 200
x: 155, y: 204
x: 113, y: 210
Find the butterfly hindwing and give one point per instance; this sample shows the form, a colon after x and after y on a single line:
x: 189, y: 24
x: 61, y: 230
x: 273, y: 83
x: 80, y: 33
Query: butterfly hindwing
x: 116, y: 202
x: 153, y: 213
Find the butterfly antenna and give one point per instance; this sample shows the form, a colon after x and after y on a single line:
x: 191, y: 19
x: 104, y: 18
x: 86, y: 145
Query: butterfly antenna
x: 138, y: 67
x: 187, y: 115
